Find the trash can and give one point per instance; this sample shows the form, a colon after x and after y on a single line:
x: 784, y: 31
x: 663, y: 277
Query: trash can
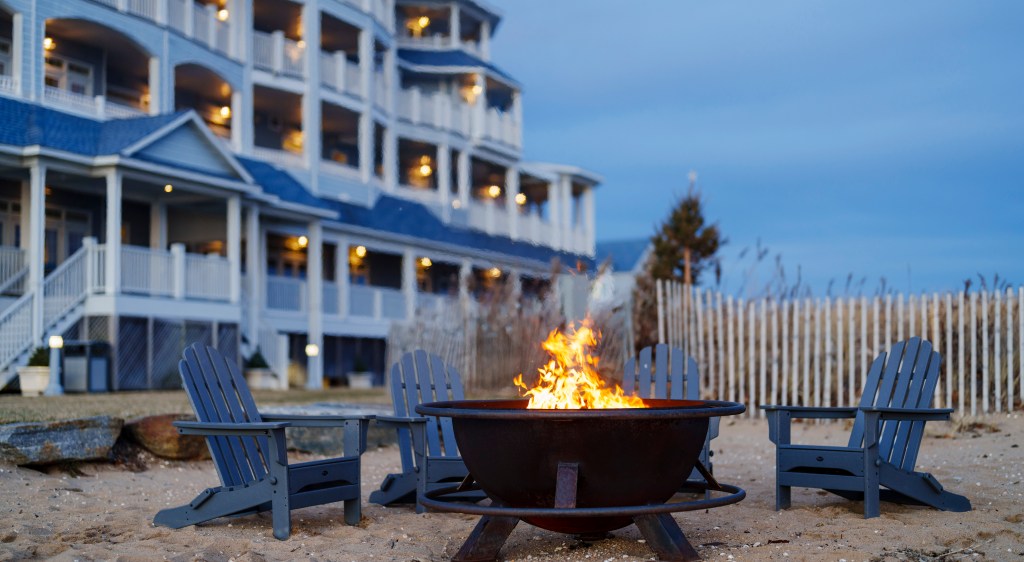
x: 86, y: 366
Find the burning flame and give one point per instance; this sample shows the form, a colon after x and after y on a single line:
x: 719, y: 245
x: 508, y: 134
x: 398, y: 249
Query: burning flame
x: 569, y: 381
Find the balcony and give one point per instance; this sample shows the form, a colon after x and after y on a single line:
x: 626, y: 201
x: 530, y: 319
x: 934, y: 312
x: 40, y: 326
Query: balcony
x: 379, y: 303
x: 276, y: 53
x: 340, y: 74
x: 435, y: 110
x: 501, y: 127
x: 8, y: 84
x: 162, y: 273
x: 93, y: 106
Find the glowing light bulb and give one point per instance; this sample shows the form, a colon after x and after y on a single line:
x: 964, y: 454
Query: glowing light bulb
x: 425, y: 262
x: 521, y: 198
x: 168, y: 188
x: 303, y: 241
x: 225, y: 112
x: 361, y: 251
x: 222, y: 14
x: 49, y: 44
x: 423, y: 22
x: 425, y: 170
x: 494, y: 272
x: 477, y: 89
x: 494, y: 191
x: 312, y: 350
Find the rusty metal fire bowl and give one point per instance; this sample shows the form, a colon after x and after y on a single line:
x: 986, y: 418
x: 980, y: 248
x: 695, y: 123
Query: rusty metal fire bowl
x: 584, y: 472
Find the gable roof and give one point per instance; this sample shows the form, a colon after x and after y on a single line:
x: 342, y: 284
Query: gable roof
x: 452, y: 61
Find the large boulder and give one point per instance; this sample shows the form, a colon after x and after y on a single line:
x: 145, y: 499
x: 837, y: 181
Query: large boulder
x: 328, y: 441
x: 158, y: 436
x: 59, y: 441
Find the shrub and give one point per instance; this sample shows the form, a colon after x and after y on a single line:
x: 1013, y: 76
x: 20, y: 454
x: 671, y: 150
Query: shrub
x: 256, y: 361
x: 40, y: 357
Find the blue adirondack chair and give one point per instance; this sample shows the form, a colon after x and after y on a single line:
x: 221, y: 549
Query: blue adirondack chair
x: 884, y: 443
x: 669, y: 373
x: 430, y: 457
x: 251, y: 454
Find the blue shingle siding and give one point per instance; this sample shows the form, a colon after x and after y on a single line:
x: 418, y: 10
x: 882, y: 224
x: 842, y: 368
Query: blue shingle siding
x: 453, y: 58
x: 624, y: 254
x: 25, y: 124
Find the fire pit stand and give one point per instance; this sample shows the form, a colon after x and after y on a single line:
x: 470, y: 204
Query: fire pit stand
x: 655, y: 522
x: 580, y: 472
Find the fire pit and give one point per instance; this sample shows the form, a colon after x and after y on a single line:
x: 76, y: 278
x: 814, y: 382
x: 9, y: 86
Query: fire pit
x: 580, y: 471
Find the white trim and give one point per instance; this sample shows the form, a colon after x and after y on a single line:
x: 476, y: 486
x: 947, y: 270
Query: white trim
x: 191, y: 117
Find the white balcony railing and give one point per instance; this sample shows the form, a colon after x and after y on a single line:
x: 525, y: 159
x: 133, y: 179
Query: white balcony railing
x: 204, y: 277
x: 145, y: 8
x: 276, y: 53
x: 8, y: 84
x: 95, y: 106
x: 434, y: 109
x: 501, y: 126
x: 279, y: 156
x: 376, y: 302
x: 340, y: 74
x: 147, y: 272
x: 286, y: 293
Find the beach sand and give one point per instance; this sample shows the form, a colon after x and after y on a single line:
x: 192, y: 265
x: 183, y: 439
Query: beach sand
x: 106, y: 512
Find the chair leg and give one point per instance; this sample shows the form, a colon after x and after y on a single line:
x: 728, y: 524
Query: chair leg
x: 783, y: 497
x: 281, y: 513
x: 352, y: 512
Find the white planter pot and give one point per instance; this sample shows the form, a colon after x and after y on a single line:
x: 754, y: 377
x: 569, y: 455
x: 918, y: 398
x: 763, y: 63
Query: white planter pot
x: 261, y: 379
x: 33, y: 380
x: 360, y: 380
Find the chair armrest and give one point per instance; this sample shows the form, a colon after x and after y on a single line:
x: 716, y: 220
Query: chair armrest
x: 220, y: 428
x: 316, y: 421
x: 800, y: 412
x: 403, y: 422
x: 910, y: 414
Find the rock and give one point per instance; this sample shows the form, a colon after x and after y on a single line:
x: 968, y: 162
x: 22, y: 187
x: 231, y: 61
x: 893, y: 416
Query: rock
x: 329, y: 441
x: 156, y: 435
x: 57, y: 441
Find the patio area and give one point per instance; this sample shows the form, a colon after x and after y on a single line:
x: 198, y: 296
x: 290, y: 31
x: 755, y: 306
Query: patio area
x: 106, y: 512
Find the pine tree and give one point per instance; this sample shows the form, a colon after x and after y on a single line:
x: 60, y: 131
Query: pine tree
x: 684, y: 247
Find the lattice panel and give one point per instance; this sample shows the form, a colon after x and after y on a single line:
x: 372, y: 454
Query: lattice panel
x: 227, y: 341
x: 132, y: 350
x: 168, y: 344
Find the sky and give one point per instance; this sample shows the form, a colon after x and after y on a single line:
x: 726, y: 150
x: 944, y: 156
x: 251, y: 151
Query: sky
x: 878, y: 140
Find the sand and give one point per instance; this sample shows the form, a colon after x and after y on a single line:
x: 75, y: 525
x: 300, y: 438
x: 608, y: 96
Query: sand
x: 105, y: 512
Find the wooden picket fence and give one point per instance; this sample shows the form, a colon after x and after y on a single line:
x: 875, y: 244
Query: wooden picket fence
x: 816, y: 352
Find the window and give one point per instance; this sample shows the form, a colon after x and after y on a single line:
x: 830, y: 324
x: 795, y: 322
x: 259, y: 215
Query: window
x: 6, y: 58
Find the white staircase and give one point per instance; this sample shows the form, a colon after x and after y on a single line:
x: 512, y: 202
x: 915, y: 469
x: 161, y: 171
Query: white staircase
x: 63, y: 294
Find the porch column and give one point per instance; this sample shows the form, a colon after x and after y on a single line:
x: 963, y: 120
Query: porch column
x: 112, y: 271
x: 511, y: 207
x: 238, y: 114
x: 465, y: 271
x: 555, y: 213
x: 588, y: 219
x: 485, y: 40
x: 21, y: 61
x: 158, y: 225
x: 366, y: 68
x: 409, y: 282
x: 462, y: 175
x: 311, y: 125
x: 390, y: 159
x: 33, y: 225
x: 342, y: 274
x: 156, y: 99
x: 455, y: 25
x: 234, y: 249
x: 565, y: 193
x: 315, y: 295
x: 366, y: 146
x: 444, y: 178
x: 254, y: 272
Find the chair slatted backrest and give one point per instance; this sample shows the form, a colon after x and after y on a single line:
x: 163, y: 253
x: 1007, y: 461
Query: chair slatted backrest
x: 420, y: 377
x: 218, y: 393
x: 674, y: 374
x: 906, y: 377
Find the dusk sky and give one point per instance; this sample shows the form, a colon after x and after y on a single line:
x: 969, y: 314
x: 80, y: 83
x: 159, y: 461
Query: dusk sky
x: 880, y: 139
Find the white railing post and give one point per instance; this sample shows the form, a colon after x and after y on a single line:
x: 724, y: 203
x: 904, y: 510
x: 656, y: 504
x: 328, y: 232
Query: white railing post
x: 178, y: 264
x: 378, y: 304
x: 189, y: 18
x: 101, y: 105
x: 89, y: 243
x: 277, y: 40
x: 340, y: 66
